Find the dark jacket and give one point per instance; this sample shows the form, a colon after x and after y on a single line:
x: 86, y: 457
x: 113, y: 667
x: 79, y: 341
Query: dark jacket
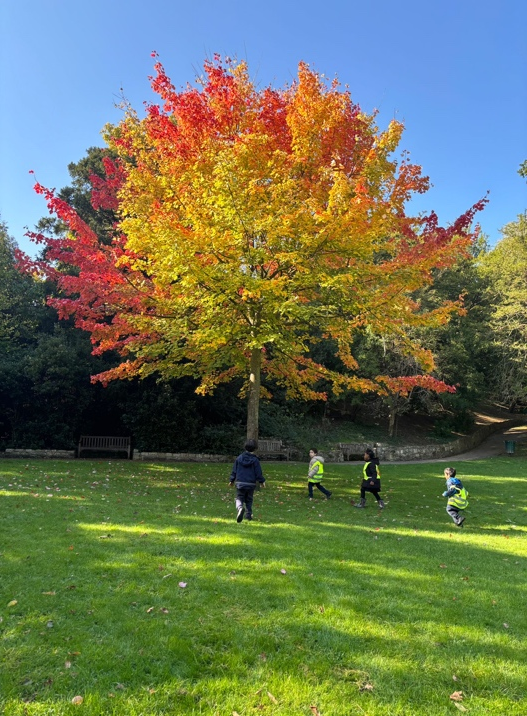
x: 371, y: 474
x: 247, y: 471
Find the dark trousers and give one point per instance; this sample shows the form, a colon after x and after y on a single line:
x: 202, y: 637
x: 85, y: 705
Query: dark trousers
x: 244, y: 497
x: 364, y: 490
x: 455, y: 514
x: 321, y: 487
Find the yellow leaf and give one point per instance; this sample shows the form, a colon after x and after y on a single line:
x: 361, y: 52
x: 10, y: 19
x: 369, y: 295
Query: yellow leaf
x: 273, y: 698
x: 77, y: 700
x: 12, y: 603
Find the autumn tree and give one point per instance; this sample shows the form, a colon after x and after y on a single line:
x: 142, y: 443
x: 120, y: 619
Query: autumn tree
x: 252, y: 224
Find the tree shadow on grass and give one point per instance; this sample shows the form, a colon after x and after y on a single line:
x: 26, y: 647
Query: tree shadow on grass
x: 362, y: 602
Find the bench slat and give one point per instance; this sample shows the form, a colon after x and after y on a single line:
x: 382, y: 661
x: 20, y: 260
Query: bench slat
x: 273, y: 447
x: 105, y: 442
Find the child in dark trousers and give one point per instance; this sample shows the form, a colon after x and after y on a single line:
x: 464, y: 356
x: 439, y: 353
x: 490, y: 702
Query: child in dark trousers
x: 246, y: 473
x: 371, y: 479
x: 315, y: 474
x: 457, y: 496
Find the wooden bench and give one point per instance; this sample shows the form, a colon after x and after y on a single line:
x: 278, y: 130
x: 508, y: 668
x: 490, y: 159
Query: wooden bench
x: 268, y: 446
x: 104, y: 443
x: 352, y: 449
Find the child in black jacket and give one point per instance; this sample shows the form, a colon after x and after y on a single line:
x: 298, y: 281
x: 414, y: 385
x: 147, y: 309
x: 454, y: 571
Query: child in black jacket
x: 246, y: 472
x: 371, y: 481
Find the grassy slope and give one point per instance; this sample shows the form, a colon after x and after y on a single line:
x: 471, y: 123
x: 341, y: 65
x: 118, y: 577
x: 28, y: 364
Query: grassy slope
x: 377, y: 614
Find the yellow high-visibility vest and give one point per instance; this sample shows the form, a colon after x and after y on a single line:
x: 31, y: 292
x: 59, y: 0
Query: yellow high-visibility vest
x: 459, y: 499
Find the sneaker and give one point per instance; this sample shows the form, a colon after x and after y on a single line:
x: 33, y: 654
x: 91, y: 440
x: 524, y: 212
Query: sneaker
x: 248, y: 517
x: 461, y: 522
x: 241, y: 512
x: 381, y: 504
x: 328, y: 495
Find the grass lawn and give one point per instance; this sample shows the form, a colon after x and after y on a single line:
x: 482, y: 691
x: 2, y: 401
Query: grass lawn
x: 131, y: 587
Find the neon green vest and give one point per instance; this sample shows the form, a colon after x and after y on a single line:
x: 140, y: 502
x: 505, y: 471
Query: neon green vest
x: 459, y: 499
x: 319, y: 475
x: 367, y: 477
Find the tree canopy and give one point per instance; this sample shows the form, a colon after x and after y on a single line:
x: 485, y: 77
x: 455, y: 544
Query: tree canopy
x: 251, y: 224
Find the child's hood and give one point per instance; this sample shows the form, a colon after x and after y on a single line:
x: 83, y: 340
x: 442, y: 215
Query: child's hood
x: 316, y: 458
x: 248, y: 458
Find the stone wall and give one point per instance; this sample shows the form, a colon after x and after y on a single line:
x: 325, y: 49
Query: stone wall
x: 39, y: 454
x: 389, y: 453
x: 180, y: 457
x: 386, y: 453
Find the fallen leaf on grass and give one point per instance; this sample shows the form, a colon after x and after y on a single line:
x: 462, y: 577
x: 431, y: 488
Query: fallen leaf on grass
x: 443, y: 566
x: 457, y: 696
x: 505, y: 625
x: 283, y: 571
x: 273, y: 698
x: 49, y: 594
x: 12, y: 603
x: 77, y: 700
x: 182, y: 585
x: 366, y: 687
x: 235, y: 713
x: 315, y: 711
x: 67, y: 664
x: 50, y: 625
x: 164, y: 610
x: 454, y: 677
x: 149, y: 610
x: 460, y: 706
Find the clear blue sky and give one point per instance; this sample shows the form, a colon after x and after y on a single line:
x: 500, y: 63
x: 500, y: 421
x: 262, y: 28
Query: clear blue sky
x: 454, y: 71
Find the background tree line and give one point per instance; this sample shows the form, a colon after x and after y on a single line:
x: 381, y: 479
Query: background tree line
x: 47, y: 399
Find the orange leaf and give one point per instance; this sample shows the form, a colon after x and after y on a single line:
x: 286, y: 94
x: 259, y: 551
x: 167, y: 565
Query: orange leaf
x: 457, y: 696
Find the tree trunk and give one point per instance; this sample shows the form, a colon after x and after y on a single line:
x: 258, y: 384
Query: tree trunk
x: 391, y: 421
x: 253, y: 404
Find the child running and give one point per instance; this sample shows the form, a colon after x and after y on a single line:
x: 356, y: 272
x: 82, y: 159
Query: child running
x: 246, y: 472
x: 315, y: 474
x: 457, y: 496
